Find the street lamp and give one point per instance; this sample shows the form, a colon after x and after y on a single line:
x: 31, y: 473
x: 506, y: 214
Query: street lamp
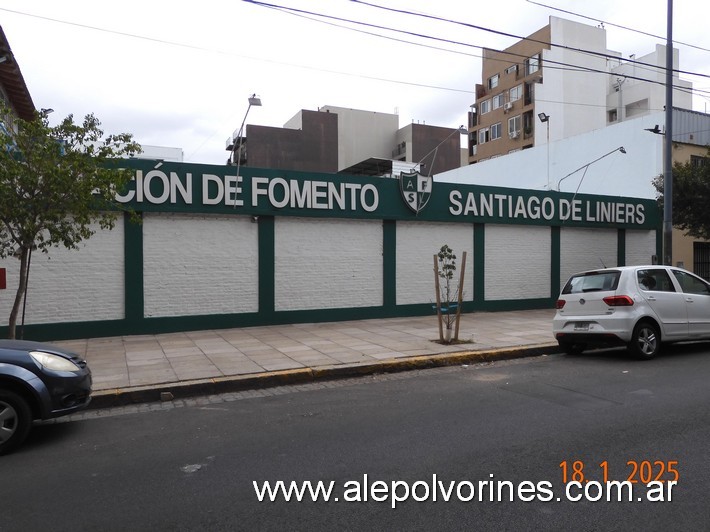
x: 254, y: 101
x: 586, y: 166
x: 461, y: 130
x: 545, y: 119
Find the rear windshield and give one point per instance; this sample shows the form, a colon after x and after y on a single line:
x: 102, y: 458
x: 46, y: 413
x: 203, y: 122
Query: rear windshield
x: 592, y: 282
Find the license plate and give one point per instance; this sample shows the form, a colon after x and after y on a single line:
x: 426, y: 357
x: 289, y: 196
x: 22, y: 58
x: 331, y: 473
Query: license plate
x: 581, y: 326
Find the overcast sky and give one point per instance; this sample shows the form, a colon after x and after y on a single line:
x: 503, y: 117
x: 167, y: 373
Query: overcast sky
x: 179, y: 74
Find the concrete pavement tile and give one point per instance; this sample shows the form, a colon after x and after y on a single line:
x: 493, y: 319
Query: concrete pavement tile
x: 383, y: 355
x: 294, y: 349
x: 112, y: 367
x: 192, y: 360
x: 349, y: 358
x: 179, y: 352
x: 110, y: 383
x: 144, y: 355
x: 196, y: 335
x: 198, y: 373
x: 276, y: 366
x: 240, y: 368
x: 265, y: 354
x: 147, y: 365
x: 152, y: 377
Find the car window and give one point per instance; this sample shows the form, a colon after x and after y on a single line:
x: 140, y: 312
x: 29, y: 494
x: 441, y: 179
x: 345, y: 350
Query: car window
x: 691, y: 284
x: 655, y: 280
x: 592, y: 282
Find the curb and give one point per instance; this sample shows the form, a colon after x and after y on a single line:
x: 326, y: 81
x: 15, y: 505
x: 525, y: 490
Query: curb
x: 184, y: 389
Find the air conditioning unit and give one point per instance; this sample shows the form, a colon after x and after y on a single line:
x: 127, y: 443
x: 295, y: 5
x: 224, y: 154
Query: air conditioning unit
x: 514, y: 134
x: 508, y: 106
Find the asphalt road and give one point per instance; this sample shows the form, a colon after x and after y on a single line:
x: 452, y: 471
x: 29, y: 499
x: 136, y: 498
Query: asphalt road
x: 191, y: 464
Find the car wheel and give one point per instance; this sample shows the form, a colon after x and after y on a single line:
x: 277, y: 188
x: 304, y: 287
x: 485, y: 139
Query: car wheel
x: 572, y: 349
x: 646, y: 340
x: 15, y: 420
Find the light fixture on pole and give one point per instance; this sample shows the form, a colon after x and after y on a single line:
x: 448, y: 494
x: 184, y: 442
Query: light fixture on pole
x: 254, y: 101
x: 545, y: 119
x: 620, y: 149
x: 461, y: 130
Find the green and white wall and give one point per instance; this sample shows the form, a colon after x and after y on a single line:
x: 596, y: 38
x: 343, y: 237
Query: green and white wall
x: 215, y: 250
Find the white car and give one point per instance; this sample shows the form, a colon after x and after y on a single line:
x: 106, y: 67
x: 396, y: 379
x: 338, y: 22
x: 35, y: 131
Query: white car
x: 636, y: 306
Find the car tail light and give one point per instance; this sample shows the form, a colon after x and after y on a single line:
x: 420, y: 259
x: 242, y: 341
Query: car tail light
x: 560, y: 304
x: 619, y: 301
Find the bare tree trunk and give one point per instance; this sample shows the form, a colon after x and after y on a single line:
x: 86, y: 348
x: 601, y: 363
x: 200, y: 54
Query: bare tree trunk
x: 21, y: 289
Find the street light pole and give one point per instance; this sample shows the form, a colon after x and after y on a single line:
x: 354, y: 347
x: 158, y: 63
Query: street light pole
x: 545, y: 118
x: 620, y: 149
x: 255, y: 101
x: 461, y: 130
x: 668, y: 148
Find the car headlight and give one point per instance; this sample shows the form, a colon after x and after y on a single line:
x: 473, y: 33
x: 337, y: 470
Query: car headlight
x: 53, y: 362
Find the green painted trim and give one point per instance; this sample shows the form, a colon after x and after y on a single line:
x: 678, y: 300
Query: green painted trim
x: 133, y: 269
x: 70, y: 331
x: 555, y: 261
x: 389, y: 264
x: 479, y: 262
x: 162, y: 325
x: 267, y: 265
x: 621, y: 247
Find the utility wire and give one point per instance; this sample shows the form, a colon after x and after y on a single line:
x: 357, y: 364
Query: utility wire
x: 296, y: 11
x: 505, y: 34
x: 607, y: 23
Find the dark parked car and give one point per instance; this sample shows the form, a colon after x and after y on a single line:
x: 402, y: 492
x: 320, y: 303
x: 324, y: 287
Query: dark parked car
x: 38, y: 381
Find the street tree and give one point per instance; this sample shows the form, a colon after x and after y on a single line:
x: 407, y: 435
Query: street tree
x: 56, y: 184
x: 691, y: 196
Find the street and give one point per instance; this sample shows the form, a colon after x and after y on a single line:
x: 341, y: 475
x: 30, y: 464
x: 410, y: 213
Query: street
x: 191, y: 464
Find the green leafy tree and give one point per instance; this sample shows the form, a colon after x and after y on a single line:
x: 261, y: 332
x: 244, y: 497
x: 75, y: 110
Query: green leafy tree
x: 691, y: 197
x: 56, y: 182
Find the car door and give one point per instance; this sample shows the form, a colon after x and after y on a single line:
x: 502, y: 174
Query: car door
x: 659, y: 291
x: 696, y: 293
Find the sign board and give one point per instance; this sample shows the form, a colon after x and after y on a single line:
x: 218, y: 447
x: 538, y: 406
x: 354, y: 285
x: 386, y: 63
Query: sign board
x: 193, y: 188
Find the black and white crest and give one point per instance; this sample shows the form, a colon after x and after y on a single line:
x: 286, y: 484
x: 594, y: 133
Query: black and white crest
x: 416, y: 190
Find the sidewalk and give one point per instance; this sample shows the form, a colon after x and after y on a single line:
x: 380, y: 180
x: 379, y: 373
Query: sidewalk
x: 130, y: 369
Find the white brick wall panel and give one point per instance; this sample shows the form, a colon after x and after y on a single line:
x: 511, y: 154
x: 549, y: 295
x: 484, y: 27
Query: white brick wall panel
x: 327, y: 263
x: 84, y: 284
x: 199, y: 265
x: 586, y: 249
x: 517, y: 262
x: 640, y: 247
x: 417, y: 243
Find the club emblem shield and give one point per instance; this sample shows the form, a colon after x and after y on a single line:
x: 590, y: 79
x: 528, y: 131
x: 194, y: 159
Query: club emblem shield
x: 416, y: 190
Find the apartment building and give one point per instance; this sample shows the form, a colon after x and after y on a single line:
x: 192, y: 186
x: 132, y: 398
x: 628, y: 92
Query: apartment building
x: 559, y: 82
x: 352, y: 141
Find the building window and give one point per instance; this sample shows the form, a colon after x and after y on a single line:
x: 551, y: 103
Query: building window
x: 613, y: 115
x: 516, y: 93
x: 701, y: 259
x: 483, y: 135
x: 493, y: 81
x: 498, y: 100
x: 485, y: 106
x: 512, y: 69
x: 514, y: 125
x: 532, y: 64
x: 495, y: 131
x: 697, y: 161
